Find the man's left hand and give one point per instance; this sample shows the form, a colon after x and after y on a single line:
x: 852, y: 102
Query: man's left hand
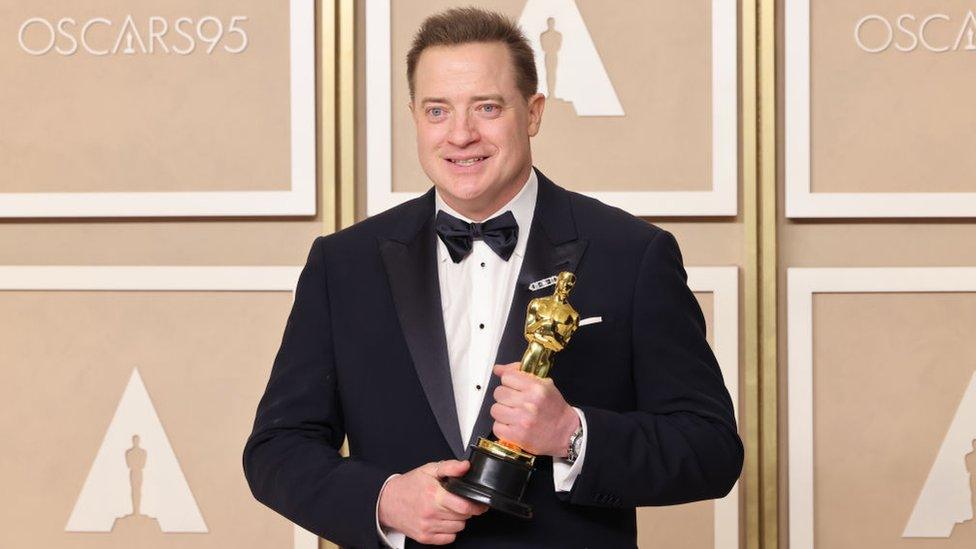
x: 532, y: 413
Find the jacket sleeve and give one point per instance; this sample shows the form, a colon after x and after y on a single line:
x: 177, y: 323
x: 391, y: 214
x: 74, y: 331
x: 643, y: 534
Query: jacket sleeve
x: 291, y: 460
x: 680, y: 444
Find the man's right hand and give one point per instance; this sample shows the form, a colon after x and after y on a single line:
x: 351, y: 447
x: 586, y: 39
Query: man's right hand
x: 416, y: 504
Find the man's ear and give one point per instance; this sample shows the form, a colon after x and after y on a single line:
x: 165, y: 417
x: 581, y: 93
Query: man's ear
x: 537, y: 104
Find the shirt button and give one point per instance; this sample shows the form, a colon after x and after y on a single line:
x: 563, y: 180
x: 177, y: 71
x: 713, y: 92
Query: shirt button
x: 482, y: 263
x: 478, y: 387
x: 482, y: 326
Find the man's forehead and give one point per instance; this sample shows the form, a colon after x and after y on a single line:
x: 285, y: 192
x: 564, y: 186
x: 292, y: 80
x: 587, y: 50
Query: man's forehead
x: 467, y: 69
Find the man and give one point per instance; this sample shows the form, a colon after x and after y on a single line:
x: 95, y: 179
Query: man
x: 407, y: 328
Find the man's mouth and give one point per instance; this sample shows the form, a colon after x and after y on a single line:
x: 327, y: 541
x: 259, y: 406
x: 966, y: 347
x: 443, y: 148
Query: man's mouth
x: 467, y: 161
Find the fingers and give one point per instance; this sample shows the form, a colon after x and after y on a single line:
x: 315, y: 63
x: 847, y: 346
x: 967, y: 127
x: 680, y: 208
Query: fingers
x: 506, y: 396
x: 457, y: 508
x: 501, y: 370
x: 512, y: 377
x: 426, y: 511
x: 448, y: 526
x: 530, y: 397
x: 450, y: 468
x: 501, y: 431
x: 504, y: 414
x: 436, y: 539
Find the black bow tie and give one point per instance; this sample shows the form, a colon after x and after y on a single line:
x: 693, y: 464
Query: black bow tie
x: 499, y: 233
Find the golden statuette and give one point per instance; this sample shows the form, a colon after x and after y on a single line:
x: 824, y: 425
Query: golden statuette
x: 500, y: 469
x: 549, y: 324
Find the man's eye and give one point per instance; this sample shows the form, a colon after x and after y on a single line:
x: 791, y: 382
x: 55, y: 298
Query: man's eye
x: 489, y: 108
x: 436, y: 111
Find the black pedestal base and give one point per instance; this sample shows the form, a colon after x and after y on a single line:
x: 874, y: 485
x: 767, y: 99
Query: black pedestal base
x: 495, y: 481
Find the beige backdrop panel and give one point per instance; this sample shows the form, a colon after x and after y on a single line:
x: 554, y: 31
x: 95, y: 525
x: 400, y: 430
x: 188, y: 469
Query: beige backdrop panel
x: 891, y: 121
x: 689, y: 526
x: 67, y: 356
x: 860, y: 143
x: 890, y: 372
x: 145, y: 122
x: 656, y: 54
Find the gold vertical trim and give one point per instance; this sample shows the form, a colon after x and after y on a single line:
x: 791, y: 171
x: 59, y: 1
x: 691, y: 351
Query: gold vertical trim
x: 329, y: 151
x: 325, y: 83
x: 749, y: 143
x: 342, y: 70
x: 347, y: 113
x: 768, y: 266
x: 328, y: 143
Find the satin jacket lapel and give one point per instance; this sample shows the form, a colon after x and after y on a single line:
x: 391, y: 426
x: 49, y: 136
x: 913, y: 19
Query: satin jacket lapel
x: 411, y: 265
x: 553, y: 246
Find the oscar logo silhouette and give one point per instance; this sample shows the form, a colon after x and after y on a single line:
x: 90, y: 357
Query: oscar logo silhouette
x: 135, y: 460
x: 966, y: 530
x: 552, y: 41
x: 500, y: 470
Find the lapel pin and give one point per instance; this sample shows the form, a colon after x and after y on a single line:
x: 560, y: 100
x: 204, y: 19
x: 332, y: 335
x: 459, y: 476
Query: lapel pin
x: 544, y: 283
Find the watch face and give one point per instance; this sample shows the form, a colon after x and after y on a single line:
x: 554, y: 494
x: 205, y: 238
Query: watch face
x: 576, y: 446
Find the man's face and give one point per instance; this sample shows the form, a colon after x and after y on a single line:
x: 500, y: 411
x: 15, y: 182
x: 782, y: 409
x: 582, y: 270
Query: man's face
x: 473, y: 125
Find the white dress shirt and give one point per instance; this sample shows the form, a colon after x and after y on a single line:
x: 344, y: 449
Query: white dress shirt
x: 476, y: 295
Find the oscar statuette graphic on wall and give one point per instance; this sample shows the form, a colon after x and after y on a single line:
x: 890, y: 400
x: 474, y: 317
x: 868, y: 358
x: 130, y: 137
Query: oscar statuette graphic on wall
x: 135, y: 481
x: 556, y: 31
x: 947, y: 502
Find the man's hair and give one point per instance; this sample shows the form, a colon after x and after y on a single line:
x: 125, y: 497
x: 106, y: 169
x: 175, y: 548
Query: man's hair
x: 458, y: 26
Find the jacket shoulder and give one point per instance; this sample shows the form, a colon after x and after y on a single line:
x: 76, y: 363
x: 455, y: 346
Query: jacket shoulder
x: 597, y: 220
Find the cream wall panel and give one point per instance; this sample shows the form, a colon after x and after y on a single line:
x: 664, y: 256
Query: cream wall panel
x: 385, y: 170
x: 891, y: 484
x: 73, y: 336
x: 106, y: 153
x: 901, y: 145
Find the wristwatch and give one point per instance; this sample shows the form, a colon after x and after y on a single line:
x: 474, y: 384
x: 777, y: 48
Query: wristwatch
x: 575, y: 444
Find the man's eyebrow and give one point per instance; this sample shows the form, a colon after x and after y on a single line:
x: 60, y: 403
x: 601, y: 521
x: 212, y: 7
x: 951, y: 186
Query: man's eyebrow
x: 492, y: 97
x: 496, y: 98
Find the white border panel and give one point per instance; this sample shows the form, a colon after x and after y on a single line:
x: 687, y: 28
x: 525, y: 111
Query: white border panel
x: 217, y: 279
x: 800, y: 201
x: 802, y: 284
x: 721, y: 200
x: 299, y: 200
x: 723, y: 283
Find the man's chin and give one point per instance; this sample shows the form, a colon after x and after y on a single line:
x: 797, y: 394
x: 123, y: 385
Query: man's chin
x: 464, y: 188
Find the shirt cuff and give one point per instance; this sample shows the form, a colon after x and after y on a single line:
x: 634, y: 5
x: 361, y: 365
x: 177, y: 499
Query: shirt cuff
x: 563, y: 473
x: 389, y: 537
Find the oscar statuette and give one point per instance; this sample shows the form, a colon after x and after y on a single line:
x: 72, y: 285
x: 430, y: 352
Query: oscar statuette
x: 500, y: 470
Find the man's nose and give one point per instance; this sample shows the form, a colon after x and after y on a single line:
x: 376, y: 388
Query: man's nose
x: 463, y: 131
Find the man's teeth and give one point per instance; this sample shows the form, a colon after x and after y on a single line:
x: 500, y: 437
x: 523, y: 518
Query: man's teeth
x: 468, y: 162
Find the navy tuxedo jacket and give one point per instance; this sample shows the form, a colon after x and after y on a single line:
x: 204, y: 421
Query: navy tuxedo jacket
x: 364, y: 356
